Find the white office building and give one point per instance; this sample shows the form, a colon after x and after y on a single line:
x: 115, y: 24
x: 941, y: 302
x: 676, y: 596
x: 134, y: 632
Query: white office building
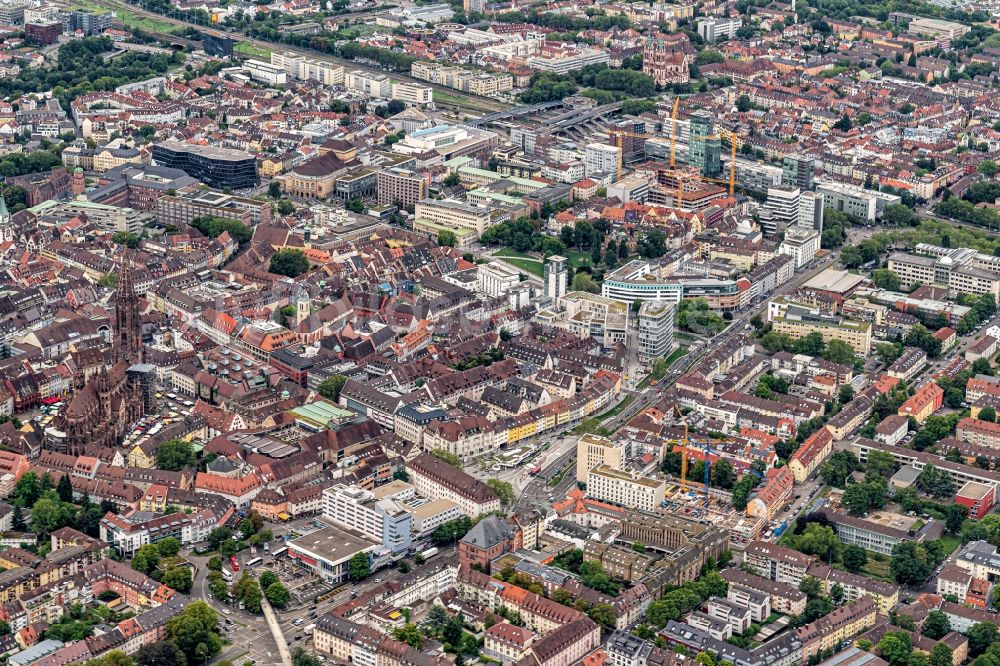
x: 781, y: 209
x: 374, y: 85
x: 265, y: 72
x: 600, y: 159
x: 496, y: 279
x: 800, y: 244
x: 857, y: 201
x: 713, y: 29
x: 656, y: 330
x: 811, y: 211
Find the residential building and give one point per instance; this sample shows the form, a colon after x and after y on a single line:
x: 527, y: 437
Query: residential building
x: 436, y: 479
x: 625, y: 489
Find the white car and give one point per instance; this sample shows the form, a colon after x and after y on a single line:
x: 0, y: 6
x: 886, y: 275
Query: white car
x: 226, y: 611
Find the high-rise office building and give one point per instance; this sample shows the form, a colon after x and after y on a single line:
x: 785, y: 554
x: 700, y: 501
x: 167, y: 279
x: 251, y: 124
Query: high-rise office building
x: 705, y: 146
x: 555, y: 277
x: 797, y: 171
x: 656, y: 330
x: 811, y: 211
x: 781, y: 209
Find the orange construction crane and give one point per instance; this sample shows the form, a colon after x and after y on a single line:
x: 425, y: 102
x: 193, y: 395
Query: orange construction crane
x: 732, y: 171
x: 619, y: 135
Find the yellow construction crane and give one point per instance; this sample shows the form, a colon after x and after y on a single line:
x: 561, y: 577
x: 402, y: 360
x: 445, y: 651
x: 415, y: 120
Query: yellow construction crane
x: 619, y: 135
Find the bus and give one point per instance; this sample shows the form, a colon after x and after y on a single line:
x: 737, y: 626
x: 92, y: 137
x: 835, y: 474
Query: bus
x: 254, y: 562
x: 280, y: 552
x: 234, y: 564
x: 227, y: 575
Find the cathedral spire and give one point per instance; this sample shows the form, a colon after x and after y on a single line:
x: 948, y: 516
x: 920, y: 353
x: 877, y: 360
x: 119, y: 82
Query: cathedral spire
x: 127, y: 344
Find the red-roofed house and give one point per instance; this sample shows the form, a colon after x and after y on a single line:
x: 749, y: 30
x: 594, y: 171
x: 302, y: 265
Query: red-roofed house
x: 813, y: 451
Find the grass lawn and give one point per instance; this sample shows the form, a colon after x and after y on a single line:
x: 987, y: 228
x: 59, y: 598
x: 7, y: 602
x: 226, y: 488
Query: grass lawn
x: 877, y: 570
x: 950, y: 543
x: 521, y: 260
x: 532, y: 266
x: 676, y: 354
x: 254, y: 51
x: 511, y: 252
x: 577, y: 259
x: 614, y: 411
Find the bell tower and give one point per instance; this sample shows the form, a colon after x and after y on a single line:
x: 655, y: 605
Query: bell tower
x: 127, y: 345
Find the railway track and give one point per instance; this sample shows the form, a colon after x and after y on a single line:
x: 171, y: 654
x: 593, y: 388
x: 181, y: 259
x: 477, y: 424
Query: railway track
x: 465, y: 100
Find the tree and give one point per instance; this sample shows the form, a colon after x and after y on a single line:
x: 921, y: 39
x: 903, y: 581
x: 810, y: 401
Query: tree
x: 359, y: 568
x: 168, y: 547
x: 411, y: 635
x: 856, y: 499
x: 741, y: 491
x: 446, y: 238
x: 302, y: 658
x: 886, y: 279
x: 743, y: 103
x: 146, y: 558
x: 178, y: 578
x: 837, y: 593
x: 218, y: 536
x: 895, y: 649
x: 267, y: 578
x: 604, y: 615
x: 355, y: 206
x: 162, y: 653
x: 286, y: 207
x: 855, y: 557
x: 277, y: 595
x: 18, y: 522
x: 909, y: 565
x: 846, y: 393
x: 504, y: 490
x: 941, y: 655
x: 290, y: 262
x: 175, y: 455
x: 844, y: 124
x: 810, y: 586
x: 936, y: 625
x: 584, y: 282
x: 65, y: 488
x: 840, y: 465
x: 838, y: 351
x: 193, y: 630
x: 955, y: 515
x: 819, y: 540
x: 988, y: 414
x: 274, y: 189
x: 981, y: 636
x: 214, y: 563
x: 723, y: 475
x: 330, y: 388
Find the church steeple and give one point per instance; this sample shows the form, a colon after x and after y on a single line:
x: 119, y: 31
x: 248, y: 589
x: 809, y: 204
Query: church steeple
x: 127, y: 345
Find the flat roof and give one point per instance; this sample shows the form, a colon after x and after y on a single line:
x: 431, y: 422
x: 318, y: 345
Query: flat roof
x: 212, y: 152
x: 332, y: 544
x: 834, y: 280
x: 321, y: 412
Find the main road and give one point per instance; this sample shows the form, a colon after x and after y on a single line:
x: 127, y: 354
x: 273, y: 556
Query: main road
x: 468, y: 101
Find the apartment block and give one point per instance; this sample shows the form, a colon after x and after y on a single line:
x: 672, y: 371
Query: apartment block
x: 596, y: 451
x: 625, y: 489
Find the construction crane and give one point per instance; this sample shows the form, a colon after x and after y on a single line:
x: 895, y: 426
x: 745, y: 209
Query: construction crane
x: 619, y: 135
x: 684, y: 465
